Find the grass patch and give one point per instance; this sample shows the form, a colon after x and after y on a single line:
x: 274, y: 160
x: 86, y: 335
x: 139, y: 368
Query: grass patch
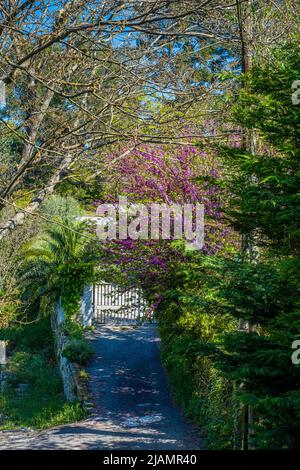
x: 38, y: 411
x: 33, y: 362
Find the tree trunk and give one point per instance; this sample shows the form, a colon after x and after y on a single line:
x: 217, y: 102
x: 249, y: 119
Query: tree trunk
x: 28, y: 152
x: 19, y: 218
x: 245, y: 21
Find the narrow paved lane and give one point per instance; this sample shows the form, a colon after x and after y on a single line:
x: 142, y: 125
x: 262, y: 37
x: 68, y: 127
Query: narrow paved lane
x: 131, y: 390
x: 134, y: 409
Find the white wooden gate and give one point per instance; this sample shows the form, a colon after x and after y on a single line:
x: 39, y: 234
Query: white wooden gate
x: 113, y: 304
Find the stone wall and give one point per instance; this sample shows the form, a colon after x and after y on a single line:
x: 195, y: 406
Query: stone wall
x: 67, y: 370
x: 86, y: 306
x: 74, y: 387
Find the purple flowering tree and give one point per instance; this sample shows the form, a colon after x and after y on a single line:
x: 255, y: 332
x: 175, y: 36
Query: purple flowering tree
x: 166, y: 174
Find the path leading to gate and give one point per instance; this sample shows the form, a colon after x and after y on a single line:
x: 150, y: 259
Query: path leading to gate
x: 134, y: 409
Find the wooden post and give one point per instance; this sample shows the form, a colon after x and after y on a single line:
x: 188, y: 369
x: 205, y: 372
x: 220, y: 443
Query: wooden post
x: 3, y: 358
x: 245, y: 23
x: 3, y: 361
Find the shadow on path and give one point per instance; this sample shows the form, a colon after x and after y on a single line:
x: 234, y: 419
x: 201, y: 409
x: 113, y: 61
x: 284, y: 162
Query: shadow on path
x: 134, y: 409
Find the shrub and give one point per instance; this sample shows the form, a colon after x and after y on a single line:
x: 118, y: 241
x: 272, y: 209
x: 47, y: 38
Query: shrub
x: 58, y: 206
x: 26, y: 367
x: 35, y: 337
x: 203, y: 392
x: 79, y: 351
x: 44, y: 405
x: 73, y: 329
